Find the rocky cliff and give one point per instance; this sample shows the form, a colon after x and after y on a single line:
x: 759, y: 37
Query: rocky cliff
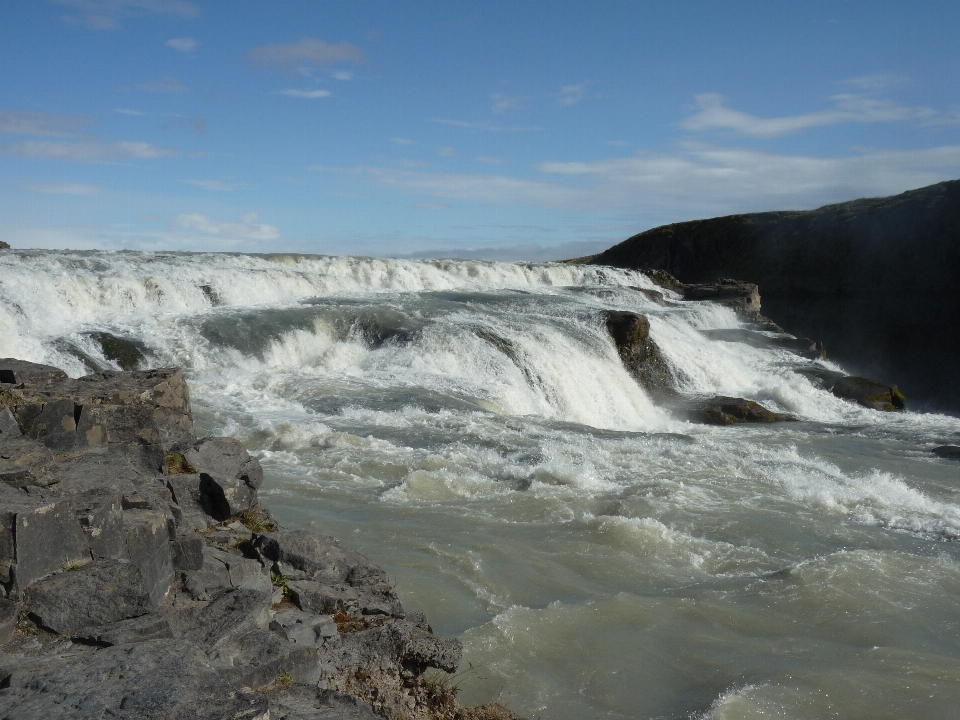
x: 140, y: 577
x: 875, y: 279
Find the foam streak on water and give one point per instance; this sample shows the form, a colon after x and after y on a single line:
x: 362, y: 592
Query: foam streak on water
x: 470, y: 426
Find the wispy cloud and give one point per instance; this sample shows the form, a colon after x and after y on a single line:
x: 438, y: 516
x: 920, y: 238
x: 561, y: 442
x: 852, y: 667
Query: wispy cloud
x: 342, y: 75
x: 213, y: 185
x: 197, y: 124
x: 309, y: 52
x: 877, y: 82
x: 485, y: 126
x: 247, y: 229
x: 489, y: 160
x: 63, y: 188
x: 848, y: 108
x: 403, y: 141
x: 107, y: 14
x: 432, y: 206
x: 309, y: 94
x: 446, y: 151
x: 571, y: 94
x: 502, y: 103
x: 696, y: 181
x: 41, y: 124
x: 163, y: 85
x: 86, y: 150
x: 184, y: 45
x: 128, y: 111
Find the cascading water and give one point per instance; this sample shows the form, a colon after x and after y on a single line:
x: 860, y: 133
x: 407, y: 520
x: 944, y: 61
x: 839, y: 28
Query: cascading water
x: 471, y: 427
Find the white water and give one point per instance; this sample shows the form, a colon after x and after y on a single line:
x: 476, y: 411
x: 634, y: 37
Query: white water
x: 470, y: 426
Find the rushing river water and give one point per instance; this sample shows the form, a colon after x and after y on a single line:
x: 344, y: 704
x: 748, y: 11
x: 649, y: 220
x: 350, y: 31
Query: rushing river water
x: 469, y: 425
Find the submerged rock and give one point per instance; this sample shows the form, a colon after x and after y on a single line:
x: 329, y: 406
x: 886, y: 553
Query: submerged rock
x: 950, y: 452
x: 869, y: 393
x: 639, y: 352
x: 731, y: 411
x: 128, y: 354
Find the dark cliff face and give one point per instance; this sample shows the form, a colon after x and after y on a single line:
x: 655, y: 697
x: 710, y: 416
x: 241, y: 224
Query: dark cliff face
x: 878, y: 280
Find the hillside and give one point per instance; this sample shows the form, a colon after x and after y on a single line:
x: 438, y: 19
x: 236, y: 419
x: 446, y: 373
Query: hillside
x: 876, y: 279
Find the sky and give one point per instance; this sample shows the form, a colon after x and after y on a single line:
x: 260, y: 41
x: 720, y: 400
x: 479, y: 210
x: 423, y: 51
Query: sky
x: 500, y: 130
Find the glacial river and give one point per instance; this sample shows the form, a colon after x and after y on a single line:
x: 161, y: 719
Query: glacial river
x: 600, y: 556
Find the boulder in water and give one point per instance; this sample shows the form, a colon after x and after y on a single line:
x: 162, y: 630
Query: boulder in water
x: 731, y: 411
x: 743, y: 297
x: 869, y: 393
x: 128, y: 354
x: 950, y: 452
x: 638, y: 351
x: 4, y: 246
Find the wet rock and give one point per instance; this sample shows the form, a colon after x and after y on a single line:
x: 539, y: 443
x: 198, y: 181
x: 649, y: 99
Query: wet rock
x: 730, y: 411
x: 950, y: 452
x: 743, y: 297
x: 127, y: 353
x: 229, y: 476
x: 638, y: 351
x: 869, y: 393
x: 95, y: 594
x: 20, y: 372
x: 4, y: 246
x: 169, y: 679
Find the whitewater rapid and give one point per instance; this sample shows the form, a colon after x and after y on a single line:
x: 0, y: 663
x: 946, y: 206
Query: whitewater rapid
x: 470, y: 425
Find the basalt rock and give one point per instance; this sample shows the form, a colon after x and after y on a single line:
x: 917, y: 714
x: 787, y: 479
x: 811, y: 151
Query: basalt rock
x: 128, y: 354
x: 743, y: 297
x: 950, y: 452
x: 869, y: 393
x: 122, y: 538
x: 4, y: 246
x: 639, y: 353
x: 731, y: 411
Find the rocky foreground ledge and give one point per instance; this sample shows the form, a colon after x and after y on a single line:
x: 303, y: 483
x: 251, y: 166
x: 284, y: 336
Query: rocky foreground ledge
x: 141, y: 578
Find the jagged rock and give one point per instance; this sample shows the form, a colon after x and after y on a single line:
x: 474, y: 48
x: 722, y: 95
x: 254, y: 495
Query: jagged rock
x: 303, y: 627
x: 38, y: 537
x: 664, y: 279
x: 228, y: 618
x: 229, y: 476
x: 259, y: 657
x: 9, y: 614
x: 187, y: 551
x: 151, y: 680
x: 4, y: 246
x: 730, y: 411
x: 950, y: 452
x: 128, y: 354
x: 153, y: 626
x: 97, y: 593
x: 148, y: 536
x: 743, y: 297
x: 188, y: 510
x: 305, y: 554
x: 301, y: 703
x: 26, y: 462
x: 100, y: 513
x: 869, y: 393
x: 318, y: 598
x: 20, y: 372
x: 242, y: 572
x: 400, y: 643
x: 638, y: 351
x: 8, y: 423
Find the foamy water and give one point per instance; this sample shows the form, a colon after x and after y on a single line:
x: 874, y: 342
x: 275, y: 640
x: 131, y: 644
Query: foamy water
x: 470, y: 426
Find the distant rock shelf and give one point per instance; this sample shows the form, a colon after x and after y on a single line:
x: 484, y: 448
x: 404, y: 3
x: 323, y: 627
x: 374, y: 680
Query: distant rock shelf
x: 140, y: 576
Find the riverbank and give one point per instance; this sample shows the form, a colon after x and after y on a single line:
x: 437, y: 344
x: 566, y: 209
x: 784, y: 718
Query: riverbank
x: 141, y: 576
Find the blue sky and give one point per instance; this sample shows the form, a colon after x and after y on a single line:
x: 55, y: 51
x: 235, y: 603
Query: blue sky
x: 509, y: 130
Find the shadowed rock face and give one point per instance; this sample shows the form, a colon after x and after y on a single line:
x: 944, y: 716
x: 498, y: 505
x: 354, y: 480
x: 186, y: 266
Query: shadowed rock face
x: 874, y: 279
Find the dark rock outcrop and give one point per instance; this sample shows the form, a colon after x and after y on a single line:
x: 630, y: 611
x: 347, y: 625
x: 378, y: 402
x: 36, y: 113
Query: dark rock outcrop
x: 950, y: 452
x: 869, y: 393
x: 874, y: 279
x: 4, y: 246
x: 128, y: 354
x: 138, y: 587
x: 732, y: 411
x: 743, y: 297
x: 639, y: 352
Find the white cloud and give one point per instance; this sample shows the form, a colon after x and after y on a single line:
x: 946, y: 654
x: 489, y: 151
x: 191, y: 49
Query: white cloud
x: 184, y: 45
x: 489, y: 160
x: 502, y: 103
x: 213, y: 185
x: 247, y: 229
x: 697, y: 181
x: 342, y: 75
x: 446, y: 151
x: 41, y: 124
x: 306, y: 53
x: 571, y: 94
x: 310, y: 94
x: 163, y: 85
x: 877, y: 82
x: 64, y: 188
x: 106, y: 14
x: 847, y: 108
x: 86, y: 150
x: 128, y: 111
x: 403, y: 141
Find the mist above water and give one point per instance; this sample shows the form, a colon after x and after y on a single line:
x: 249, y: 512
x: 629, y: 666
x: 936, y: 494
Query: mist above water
x: 469, y: 425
